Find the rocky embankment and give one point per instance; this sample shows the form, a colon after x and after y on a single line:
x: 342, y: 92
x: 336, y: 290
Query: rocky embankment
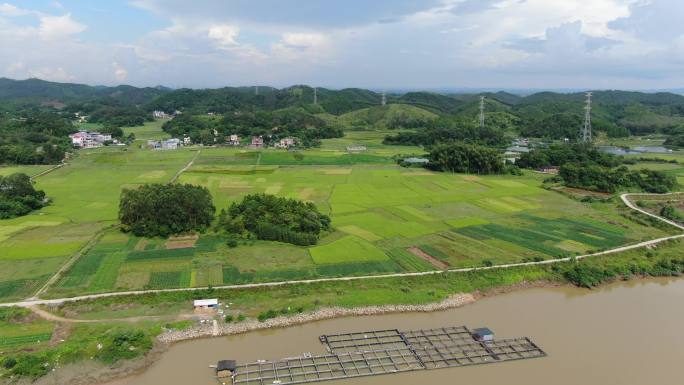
x: 209, y: 330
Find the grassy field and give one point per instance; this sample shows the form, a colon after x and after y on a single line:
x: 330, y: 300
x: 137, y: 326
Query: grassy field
x: 85, y: 196
x: 379, y: 212
x: 151, y: 130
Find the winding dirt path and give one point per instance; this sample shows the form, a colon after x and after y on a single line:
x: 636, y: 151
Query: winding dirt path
x: 624, y: 197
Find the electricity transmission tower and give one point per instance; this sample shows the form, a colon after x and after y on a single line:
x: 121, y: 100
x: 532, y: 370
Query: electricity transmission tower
x: 585, y: 134
x: 256, y: 90
x: 482, y: 107
x: 384, y: 98
x: 315, y: 95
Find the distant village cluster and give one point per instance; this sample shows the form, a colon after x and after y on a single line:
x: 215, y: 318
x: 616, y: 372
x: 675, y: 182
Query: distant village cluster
x: 88, y: 139
x: 230, y: 140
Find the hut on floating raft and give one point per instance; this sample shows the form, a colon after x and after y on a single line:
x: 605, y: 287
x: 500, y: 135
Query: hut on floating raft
x: 225, y: 368
x: 483, y: 334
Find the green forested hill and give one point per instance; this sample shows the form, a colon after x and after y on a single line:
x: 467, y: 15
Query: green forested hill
x: 544, y: 114
x: 391, y: 116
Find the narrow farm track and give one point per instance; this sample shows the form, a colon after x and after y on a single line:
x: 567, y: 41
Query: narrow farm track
x: 51, y: 169
x: 187, y: 166
x: 623, y: 197
x: 70, y: 262
x: 46, y: 315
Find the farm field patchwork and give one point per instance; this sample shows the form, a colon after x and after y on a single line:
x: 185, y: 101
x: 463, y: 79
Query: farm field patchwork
x: 379, y: 211
x: 85, y: 196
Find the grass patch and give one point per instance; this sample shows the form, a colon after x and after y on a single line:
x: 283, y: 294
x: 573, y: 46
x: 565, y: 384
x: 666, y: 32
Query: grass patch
x: 345, y: 250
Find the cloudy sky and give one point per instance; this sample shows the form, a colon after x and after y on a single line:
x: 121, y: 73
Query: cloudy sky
x: 628, y: 44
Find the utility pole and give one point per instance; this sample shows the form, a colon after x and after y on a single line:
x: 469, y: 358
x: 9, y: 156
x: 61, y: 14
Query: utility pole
x: 384, y: 99
x: 315, y: 95
x: 585, y: 134
x: 482, y: 107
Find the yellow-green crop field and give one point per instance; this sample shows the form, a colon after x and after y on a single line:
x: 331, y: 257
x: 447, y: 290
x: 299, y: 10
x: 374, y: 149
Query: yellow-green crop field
x: 381, y: 214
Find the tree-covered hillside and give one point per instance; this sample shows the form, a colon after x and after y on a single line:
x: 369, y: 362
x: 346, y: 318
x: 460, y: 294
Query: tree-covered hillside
x: 291, y: 111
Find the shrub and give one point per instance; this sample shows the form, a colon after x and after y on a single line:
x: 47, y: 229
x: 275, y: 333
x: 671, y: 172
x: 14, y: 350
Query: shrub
x: 124, y: 345
x: 585, y: 275
x: 9, y: 362
x: 265, y: 315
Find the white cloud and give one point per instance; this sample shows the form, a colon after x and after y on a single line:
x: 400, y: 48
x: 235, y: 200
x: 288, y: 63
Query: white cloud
x: 224, y: 34
x: 120, y: 73
x: 12, y: 10
x: 302, y: 40
x: 56, y: 27
x: 58, y: 74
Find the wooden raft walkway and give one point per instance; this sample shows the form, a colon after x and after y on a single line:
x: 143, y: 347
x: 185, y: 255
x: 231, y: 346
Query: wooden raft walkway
x: 386, y: 351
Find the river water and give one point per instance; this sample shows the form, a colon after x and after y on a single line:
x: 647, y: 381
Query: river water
x: 625, y: 333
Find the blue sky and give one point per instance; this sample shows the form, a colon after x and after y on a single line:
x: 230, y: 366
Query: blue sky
x: 626, y: 44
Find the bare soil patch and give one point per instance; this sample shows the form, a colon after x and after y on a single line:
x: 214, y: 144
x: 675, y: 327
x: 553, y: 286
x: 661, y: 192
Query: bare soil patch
x: 141, y: 245
x: 427, y: 257
x: 181, y: 242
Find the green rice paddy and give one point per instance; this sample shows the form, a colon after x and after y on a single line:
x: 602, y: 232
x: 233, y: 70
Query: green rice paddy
x: 378, y: 211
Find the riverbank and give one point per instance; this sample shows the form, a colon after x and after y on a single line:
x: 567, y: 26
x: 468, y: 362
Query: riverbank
x: 213, y: 330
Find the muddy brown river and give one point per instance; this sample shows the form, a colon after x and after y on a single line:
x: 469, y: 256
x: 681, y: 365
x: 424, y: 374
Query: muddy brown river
x: 622, y: 334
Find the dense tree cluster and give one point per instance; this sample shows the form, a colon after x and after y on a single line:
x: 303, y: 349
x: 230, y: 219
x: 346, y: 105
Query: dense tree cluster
x: 34, y: 138
x: 558, y: 155
x: 111, y: 113
x: 448, y: 129
x: 18, y: 197
x: 598, y: 178
x: 274, y: 218
x: 165, y: 209
x: 675, y: 140
x: 465, y: 158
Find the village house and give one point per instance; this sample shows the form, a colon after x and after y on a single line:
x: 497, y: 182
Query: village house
x: 233, y: 140
x: 153, y: 144
x: 85, y: 139
x: 170, y: 144
x: 285, y: 143
x: 161, y: 115
x: 257, y: 142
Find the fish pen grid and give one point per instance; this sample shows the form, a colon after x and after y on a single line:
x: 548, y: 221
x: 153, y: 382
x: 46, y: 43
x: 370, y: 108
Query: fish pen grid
x: 386, y: 351
x: 327, y: 367
x: 364, y: 341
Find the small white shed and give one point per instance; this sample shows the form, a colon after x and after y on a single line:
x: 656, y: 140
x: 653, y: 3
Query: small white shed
x: 206, y: 303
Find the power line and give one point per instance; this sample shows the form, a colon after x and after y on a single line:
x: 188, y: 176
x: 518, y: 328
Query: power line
x: 585, y: 134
